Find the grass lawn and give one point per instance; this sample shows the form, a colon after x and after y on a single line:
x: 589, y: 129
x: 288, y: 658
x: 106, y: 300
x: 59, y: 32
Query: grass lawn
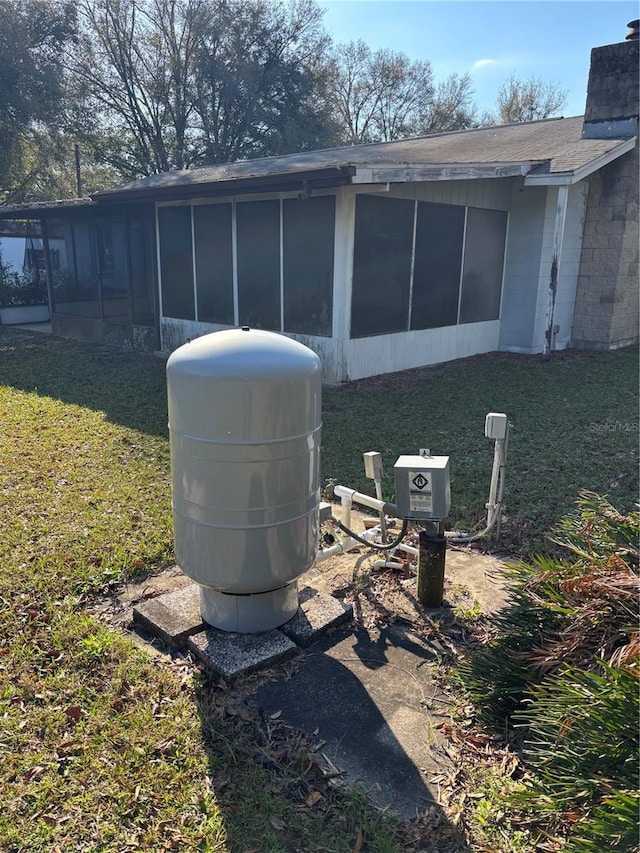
x: 103, y: 748
x: 574, y: 426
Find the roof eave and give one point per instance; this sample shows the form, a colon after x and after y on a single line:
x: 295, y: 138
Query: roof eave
x: 44, y: 209
x: 285, y: 182
x: 374, y: 173
x: 572, y: 177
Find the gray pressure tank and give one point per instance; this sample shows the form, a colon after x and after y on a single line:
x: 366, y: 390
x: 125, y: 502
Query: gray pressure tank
x: 244, y: 425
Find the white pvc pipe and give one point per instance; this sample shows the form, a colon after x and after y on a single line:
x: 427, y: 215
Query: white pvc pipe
x: 502, y: 474
x: 338, y: 548
x: 383, y: 523
x: 345, y: 515
x: 345, y: 545
x: 494, y: 506
x: 408, y: 548
x: 387, y: 564
x: 359, y: 498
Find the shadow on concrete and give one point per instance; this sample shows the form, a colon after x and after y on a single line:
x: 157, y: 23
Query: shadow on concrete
x: 372, y: 650
x: 364, y: 694
x: 322, y: 716
x: 130, y: 388
x: 437, y: 627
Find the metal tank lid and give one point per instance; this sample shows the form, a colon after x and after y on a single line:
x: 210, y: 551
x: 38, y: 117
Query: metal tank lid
x: 244, y: 353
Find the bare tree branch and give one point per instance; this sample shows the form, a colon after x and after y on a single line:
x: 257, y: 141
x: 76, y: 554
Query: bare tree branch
x: 529, y: 100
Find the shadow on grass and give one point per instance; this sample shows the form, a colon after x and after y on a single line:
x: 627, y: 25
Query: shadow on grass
x: 130, y: 388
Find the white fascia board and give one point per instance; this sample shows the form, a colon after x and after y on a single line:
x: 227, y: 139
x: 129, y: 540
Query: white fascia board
x: 400, y: 173
x: 362, y: 189
x: 560, y: 178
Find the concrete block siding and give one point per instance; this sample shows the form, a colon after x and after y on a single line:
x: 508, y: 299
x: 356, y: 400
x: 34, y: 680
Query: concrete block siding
x: 606, y: 310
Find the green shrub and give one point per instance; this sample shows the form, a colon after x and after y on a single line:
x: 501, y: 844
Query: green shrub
x: 562, y: 676
x: 613, y: 821
x: 582, y: 744
x: 21, y: 290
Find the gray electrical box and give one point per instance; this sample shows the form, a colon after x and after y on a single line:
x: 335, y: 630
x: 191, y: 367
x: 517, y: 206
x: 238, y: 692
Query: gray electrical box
x: 423, y: 490
x: 373, y: 465
x: 495, y: 425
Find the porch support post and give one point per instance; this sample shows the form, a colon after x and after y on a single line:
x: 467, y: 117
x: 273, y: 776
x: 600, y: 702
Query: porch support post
x: 47, y: 266
x: 558, y: 237
x: 344, y: 235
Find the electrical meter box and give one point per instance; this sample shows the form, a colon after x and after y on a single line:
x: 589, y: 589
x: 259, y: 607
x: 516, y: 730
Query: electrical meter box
x: 423, y: 491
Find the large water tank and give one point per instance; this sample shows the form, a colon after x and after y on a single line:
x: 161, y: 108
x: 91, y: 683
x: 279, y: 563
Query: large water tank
x: 244, y: 425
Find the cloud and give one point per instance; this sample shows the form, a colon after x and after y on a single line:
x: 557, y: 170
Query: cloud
x: 483, y: 63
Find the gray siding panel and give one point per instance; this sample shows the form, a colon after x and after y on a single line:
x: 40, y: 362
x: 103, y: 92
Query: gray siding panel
x: 522, y: 267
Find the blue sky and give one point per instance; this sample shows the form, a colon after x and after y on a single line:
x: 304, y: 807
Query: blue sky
x: 491, y: 39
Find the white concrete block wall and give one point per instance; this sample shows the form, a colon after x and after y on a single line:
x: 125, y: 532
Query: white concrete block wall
x: 404, y: 350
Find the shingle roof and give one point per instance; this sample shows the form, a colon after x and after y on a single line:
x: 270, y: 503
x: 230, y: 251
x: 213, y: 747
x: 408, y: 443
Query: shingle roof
x: 554, y: 145
x: 541, y: 150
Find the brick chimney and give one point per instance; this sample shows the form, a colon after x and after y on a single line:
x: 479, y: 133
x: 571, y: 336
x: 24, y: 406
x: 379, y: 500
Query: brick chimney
x: 611, y: 110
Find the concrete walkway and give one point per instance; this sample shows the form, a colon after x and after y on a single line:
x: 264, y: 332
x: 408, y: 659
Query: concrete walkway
x: 367, y: 700
x: 371, y: 692
x: 367, y: 695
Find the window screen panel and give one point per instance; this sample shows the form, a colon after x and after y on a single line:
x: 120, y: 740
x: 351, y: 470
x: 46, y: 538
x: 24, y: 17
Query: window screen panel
x: 214, y: 262
x: 68, y: 295
x: 381, y: 265
x: 258, y: 249
x: 176, y: 262
x: 141, y: 246
x: 84, y: 299
x: 111, y: 239
x: 437, y: 266
x: 483, y: 265
x: 308, y: 231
